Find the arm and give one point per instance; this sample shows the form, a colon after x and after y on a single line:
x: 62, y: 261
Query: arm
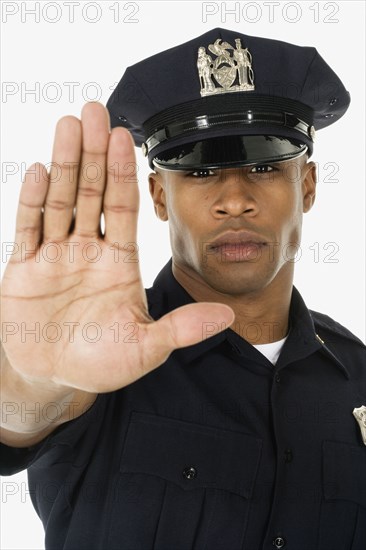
x: 63, y: 207
x: 31, y: 410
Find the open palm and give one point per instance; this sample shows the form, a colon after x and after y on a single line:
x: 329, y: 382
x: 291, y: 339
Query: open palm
x: 74, y: 310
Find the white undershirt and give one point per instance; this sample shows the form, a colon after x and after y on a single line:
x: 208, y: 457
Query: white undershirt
x: 272, y: 350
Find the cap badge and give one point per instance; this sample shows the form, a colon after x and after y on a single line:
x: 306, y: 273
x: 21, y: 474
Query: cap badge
x: 360, y: 416
x: 227, y: 73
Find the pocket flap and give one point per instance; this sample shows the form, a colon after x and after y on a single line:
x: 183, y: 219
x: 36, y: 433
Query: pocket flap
x: 344, y: 472
x: 191, y: 455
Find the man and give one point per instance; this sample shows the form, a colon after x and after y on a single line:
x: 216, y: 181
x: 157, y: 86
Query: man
x: 245, y: 437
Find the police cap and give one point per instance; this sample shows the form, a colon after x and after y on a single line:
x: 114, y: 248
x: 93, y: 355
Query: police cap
x: 227, y: 99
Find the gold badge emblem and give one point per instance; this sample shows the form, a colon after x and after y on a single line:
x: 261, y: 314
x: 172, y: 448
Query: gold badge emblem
x: 227, y: 73
x: 360, y: 416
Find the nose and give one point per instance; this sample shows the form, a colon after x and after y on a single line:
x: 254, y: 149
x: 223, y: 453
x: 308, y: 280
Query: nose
x: 236, y: 195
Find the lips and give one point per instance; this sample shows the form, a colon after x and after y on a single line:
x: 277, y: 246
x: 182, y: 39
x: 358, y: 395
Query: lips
x: 237, y: 246
x: 237, y: 239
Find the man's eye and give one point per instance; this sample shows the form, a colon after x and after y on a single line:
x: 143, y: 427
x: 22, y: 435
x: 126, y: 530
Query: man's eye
x: 262, y: 169
x: 202, y: 173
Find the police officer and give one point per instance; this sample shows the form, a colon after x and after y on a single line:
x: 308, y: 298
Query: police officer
x: 251, y: 433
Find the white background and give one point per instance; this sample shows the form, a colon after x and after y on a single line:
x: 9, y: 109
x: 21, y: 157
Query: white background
x: 98, y: 52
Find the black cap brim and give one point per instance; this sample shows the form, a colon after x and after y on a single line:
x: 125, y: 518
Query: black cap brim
x: 229, y: 151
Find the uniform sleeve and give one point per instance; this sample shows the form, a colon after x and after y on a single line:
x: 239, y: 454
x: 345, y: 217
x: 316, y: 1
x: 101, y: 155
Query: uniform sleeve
x: 63, y: 439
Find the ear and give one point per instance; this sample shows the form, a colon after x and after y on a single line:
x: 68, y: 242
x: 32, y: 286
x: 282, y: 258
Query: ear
x: 158, y: 195
x: 309, y: 181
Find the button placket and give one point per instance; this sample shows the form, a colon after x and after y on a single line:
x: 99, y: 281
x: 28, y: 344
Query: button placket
x: 284, y: 458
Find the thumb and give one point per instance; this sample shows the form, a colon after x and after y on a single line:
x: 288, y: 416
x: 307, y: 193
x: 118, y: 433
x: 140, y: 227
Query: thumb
x: 190, y: 324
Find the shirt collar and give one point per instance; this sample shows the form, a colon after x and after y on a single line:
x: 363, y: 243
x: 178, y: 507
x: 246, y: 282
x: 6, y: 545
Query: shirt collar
x: 167, y: 294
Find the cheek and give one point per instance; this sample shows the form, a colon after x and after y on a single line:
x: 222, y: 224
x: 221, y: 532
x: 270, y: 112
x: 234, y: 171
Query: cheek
x: 291, y: 216
x: 280, y: 209
x: 188, y: 208
x: 185, y: 214
x: 189, y: 222
x: 179, y: 214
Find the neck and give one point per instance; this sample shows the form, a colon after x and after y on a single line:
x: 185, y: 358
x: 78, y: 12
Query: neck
x: 261, y: 316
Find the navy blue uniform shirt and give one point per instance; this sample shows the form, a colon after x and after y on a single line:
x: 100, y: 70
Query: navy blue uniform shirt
x: 217, y: 449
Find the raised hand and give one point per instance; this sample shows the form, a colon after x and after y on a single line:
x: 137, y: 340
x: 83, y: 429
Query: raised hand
x: 80, y: 290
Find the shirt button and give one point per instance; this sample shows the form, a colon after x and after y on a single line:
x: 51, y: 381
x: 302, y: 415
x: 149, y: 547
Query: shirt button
x: 278, y: 542
x: 190, y: 472
x: 277, y: 378
x: 288, y: 455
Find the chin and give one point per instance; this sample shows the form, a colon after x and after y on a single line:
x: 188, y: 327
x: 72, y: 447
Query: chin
x: 236, y: 278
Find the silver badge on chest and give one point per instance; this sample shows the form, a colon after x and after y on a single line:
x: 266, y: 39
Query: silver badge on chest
x: 229, y: 72
x: 360, y: 416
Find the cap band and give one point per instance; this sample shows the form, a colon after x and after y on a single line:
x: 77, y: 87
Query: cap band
x: 216, y: 114
x: 203, y: 122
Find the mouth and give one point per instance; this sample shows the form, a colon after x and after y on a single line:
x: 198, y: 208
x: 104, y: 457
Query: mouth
x: 237, y: 247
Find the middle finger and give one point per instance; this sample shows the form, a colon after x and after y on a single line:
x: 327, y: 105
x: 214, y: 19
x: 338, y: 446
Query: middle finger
x: 92, y: 174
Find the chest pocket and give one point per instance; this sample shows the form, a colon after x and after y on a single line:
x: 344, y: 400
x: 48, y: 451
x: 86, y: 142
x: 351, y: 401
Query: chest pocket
x: 343, y: 512
x: 189, y: 485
